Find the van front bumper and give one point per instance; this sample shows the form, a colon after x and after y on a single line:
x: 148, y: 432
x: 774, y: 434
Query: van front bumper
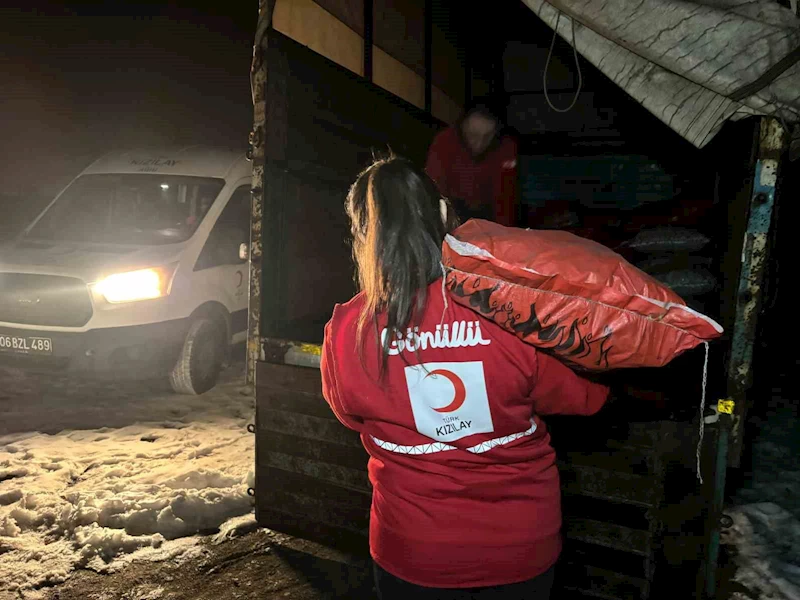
x: 136, y: 351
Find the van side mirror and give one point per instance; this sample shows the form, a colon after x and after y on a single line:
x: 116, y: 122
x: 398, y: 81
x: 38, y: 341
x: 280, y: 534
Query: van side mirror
x: 244, y: 251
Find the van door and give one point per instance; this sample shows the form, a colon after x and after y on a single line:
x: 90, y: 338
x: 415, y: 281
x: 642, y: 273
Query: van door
x: 222, y: 271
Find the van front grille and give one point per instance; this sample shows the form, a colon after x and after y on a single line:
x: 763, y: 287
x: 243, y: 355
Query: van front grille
x: 45, y: 300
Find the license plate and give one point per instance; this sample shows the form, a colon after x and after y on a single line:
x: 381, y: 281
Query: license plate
x: 25, y: 344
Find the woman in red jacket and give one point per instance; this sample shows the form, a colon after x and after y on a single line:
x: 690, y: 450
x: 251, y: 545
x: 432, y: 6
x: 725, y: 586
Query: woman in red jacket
x: 466, y: 499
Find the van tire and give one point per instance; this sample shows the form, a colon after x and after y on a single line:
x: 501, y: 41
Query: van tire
x: 201, y: 358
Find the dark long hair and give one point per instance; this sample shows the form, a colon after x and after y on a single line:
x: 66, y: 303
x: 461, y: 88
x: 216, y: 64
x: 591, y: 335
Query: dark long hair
x: 397, y: 227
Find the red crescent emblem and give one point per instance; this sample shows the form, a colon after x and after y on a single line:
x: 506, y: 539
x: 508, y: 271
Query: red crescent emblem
x: 458, y: 386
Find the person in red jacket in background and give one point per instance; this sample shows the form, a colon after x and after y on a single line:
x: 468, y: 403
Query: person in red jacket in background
x: 475, y: 166
x: 466, y: 498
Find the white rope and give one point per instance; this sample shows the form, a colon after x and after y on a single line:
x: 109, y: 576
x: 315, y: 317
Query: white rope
x: 702, y: 413
x: 444, y: 292
x: 547, y: 67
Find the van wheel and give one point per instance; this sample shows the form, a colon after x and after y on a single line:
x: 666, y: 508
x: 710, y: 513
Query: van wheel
x: 201, y: 358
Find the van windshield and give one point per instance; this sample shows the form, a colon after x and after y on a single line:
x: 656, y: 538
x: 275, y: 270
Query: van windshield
x: 128, y: 209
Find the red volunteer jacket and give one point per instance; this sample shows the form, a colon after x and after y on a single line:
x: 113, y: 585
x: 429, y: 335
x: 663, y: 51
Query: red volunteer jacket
x: 465, y: 487
x: 490, y: 181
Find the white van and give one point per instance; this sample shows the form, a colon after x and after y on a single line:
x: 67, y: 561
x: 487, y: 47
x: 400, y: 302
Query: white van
x: 138, y: 268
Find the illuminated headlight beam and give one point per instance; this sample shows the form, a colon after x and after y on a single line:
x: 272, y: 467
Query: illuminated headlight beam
x: 133, y: 286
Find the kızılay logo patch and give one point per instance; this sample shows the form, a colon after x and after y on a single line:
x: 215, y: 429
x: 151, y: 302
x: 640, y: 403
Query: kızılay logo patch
x: 449, y: 400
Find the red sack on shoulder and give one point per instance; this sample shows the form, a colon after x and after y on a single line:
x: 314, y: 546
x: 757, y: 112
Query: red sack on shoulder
x: 573, y: 297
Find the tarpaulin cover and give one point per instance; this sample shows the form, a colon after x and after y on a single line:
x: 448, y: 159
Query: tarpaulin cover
x: 573, y: 297
x: 693, y: 63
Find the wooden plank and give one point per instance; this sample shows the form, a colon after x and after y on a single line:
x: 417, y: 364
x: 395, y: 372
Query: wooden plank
x: 610, y: 485
x: 601, y: 593
x: 400, y: 31
x: 606, y: 511
x: 318, y: 87
x: 652, y: 434
x: 305, y: 427
x: 609, y: 535
x: 316, y: 508
x: 322, y: 533
x: 633, y: 460
x: 349, y: 12
x: 323, y: 93
x: 352, y: 457
x: 294, y: 402
x: 289, y: 378
x: 590, y: 433
x: 602, y: 557
x: 352, y: 479
x: 602, y: 583
x: 299, y: 483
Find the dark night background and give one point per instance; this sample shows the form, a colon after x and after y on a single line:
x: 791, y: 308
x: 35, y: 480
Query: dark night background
x: 78, y: 80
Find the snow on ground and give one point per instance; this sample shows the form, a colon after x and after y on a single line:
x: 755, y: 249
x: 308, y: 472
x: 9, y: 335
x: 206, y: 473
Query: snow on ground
x: 767, y: 539
x: 766, y: 511
x: 92, y: 475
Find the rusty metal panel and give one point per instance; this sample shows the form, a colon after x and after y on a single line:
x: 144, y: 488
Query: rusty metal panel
x: 772, y: 146
x: 255, y: 152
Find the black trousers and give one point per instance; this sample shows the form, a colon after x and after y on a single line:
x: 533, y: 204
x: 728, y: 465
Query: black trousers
x: 392, y: 588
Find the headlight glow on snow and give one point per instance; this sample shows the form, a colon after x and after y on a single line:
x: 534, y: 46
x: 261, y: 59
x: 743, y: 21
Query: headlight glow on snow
x: 145, y: 284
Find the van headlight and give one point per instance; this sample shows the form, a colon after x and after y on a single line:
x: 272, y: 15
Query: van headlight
x: 144, y: 284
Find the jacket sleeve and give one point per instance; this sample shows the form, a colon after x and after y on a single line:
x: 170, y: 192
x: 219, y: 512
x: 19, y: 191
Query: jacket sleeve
x: 506, y: 186
x: 558, y: 390
x: 330, y: 388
